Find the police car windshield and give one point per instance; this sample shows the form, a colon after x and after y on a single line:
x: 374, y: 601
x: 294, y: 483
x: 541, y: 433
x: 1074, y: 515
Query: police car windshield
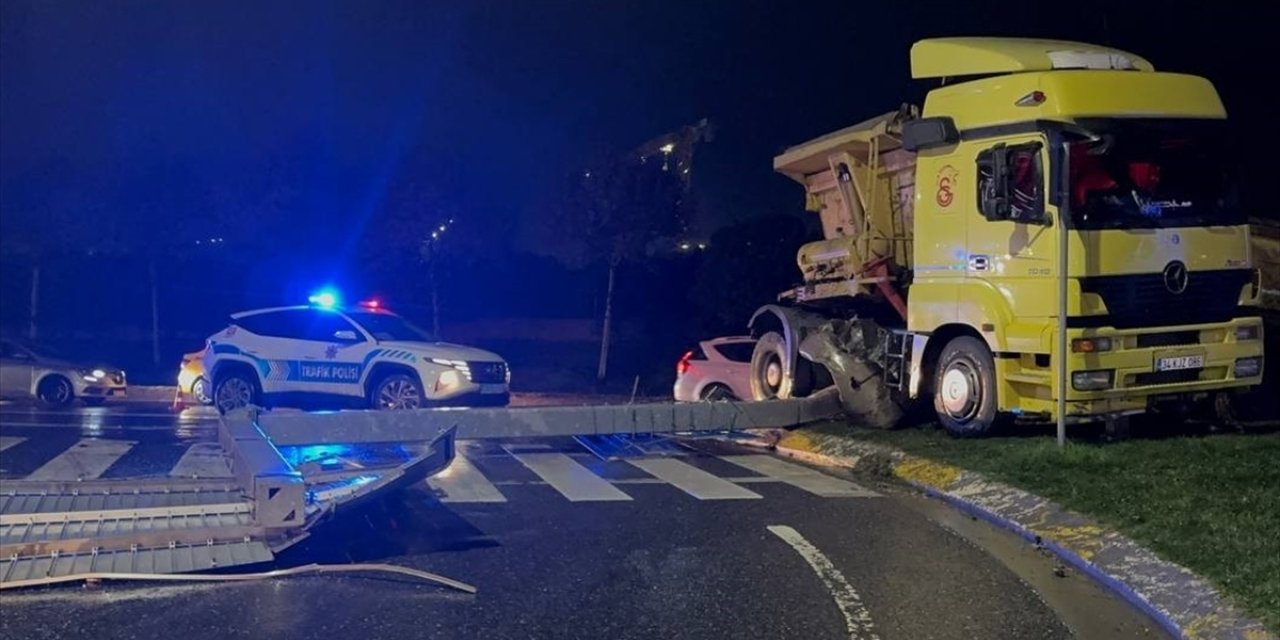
x: 385, y: 326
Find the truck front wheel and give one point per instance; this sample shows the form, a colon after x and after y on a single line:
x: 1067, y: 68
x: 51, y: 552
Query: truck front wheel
x: 964, y: 388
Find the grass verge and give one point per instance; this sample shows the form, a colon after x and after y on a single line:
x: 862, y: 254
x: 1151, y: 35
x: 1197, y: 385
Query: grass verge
x: 1210, y: 503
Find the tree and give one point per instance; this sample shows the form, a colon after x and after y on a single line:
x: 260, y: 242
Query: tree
x: 417, y: 231
x: 622, y: 210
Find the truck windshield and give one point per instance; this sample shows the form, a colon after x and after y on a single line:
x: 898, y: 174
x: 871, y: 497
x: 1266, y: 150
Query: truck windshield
x: 385, y: 326
x: 1152, y: 173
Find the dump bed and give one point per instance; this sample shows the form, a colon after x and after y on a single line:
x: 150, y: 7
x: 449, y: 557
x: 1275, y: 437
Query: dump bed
x: 861, y: 183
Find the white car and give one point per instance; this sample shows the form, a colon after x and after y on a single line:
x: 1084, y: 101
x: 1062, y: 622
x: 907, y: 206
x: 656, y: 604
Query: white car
x: 35, y: 372
x: 367, y: 355
x: 717, y: 369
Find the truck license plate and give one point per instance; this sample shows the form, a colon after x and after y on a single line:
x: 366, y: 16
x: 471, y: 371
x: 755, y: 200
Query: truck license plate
x: 1176, y: 363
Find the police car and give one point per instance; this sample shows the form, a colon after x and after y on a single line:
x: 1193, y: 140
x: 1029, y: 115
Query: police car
x: 367, y: 355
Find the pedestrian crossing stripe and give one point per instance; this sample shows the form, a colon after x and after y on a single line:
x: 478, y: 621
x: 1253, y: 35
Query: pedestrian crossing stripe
x: 463, y: 482
x: 85, y: 460
x: 9, y: 441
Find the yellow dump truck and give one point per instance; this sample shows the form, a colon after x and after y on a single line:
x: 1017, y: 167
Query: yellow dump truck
x: 1053, y: 203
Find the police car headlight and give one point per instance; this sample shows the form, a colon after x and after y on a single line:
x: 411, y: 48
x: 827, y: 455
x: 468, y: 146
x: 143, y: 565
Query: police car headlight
x: 449, y: 379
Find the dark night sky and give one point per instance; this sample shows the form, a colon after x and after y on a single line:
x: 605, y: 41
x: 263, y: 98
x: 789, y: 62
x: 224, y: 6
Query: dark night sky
x: 311, y: 111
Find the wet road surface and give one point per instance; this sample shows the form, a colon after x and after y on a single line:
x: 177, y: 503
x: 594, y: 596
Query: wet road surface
x: 719, y: 542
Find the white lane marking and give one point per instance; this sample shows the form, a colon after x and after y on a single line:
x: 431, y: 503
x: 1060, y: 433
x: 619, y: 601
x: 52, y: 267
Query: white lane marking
x: 202, y: 460
x: 461, y: 481
x: 85, y: 460
x: 9, y: 441
x: 692, y: 480
x: 856, y: 617
x: 814, y: 482
x: 571, y: 479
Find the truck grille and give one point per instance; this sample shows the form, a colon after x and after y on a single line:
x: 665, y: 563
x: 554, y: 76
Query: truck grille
x: 1166, y: 377
x: 1168, y: 339
x: 487, y: 372
x: 1143, y: 299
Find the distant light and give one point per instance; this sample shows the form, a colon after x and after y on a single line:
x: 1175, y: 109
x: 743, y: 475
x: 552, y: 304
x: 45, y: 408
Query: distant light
x: 702, y: 245
x: 327, y: 299
x: 371, y: 304
x: 668, y: 147
x: 442, y: 228
x: 685, y: 246
x: 435, y: 234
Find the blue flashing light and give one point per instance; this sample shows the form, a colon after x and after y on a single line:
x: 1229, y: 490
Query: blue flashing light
x: 323, y: 454
x: 326, y: 298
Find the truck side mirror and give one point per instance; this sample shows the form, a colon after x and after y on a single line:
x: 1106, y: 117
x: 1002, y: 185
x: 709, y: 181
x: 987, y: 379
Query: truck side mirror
x: 926, y: 133
x: 993, y: 183
x: 1011, y: 183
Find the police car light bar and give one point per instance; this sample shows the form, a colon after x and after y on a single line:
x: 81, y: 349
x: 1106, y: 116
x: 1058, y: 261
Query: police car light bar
x: 327, y: 299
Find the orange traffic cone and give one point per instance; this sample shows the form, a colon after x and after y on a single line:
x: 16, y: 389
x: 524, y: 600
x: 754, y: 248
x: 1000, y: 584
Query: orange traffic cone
x: 178, y: 404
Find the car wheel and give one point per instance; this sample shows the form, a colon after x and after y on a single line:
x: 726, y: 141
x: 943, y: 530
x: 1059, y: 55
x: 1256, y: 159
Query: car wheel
x: 56, y: 391
x: 93, y: 402
x: 235, y: 390
x: 717, y: 393
x: 200, y: 391
x: 964, y: 388
x: 397, y: 391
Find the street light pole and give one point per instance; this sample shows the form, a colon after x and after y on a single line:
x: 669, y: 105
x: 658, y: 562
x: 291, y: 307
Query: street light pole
x: 1064, y: 205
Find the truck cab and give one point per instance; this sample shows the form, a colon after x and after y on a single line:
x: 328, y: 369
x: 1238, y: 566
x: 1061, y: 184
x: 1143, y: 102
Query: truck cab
x: 959, y: 212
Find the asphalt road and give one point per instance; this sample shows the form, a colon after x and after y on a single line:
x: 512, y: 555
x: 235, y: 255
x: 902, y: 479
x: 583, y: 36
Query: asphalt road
x: 718, y: 542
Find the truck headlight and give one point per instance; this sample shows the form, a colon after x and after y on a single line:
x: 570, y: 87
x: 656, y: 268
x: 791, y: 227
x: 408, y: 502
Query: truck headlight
x: 1090, y: 345
x: 1092, y: 380
x: 1248, y: 332
x: 1248, y: 367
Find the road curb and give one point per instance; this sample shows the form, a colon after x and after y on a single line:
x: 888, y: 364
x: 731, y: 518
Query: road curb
x: 1180, y: 602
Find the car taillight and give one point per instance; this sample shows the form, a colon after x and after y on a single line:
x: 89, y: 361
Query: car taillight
x: 682, y: 367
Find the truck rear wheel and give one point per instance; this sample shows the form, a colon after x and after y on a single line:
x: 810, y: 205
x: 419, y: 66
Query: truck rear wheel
x: 769, y: 377
x: 964, y: 388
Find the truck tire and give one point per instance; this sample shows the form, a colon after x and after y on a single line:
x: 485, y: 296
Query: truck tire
x: 964, y: 388
x: 769, y: 378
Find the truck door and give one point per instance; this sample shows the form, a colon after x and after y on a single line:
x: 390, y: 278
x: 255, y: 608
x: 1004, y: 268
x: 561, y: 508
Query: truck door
x: 1011, y: 247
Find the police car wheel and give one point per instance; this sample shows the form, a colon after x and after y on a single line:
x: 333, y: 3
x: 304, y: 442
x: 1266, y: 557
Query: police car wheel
x: 397, y: 391
x: 234, y: 391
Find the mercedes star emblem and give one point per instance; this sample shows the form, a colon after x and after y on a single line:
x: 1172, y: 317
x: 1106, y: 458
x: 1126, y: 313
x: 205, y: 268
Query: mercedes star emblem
x: 1175, y: 277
